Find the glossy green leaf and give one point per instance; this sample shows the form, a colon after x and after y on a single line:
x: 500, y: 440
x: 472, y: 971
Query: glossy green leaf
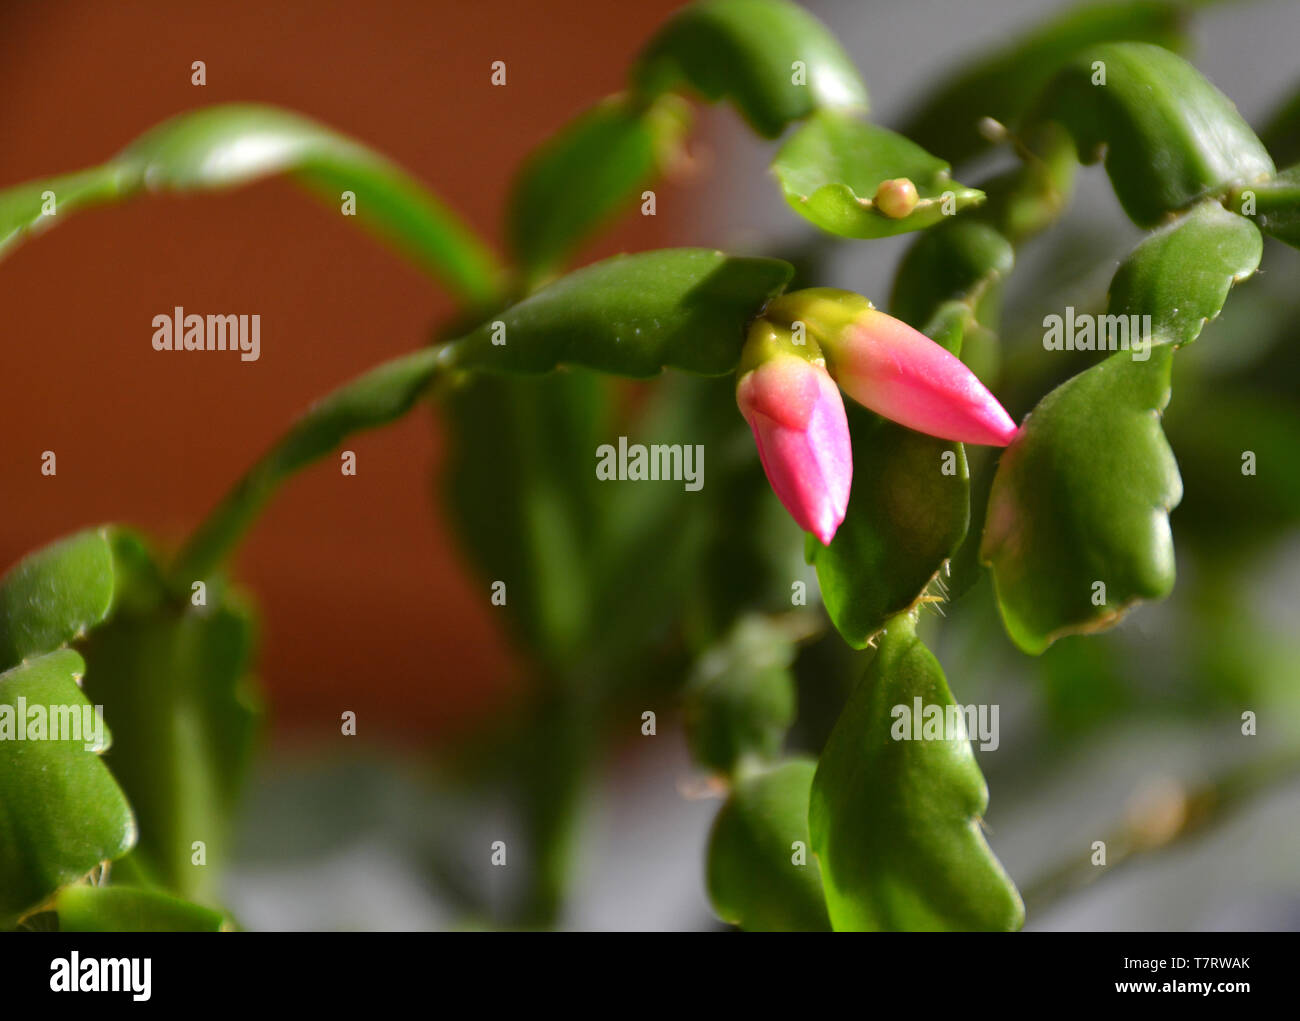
x: 1004, y: 84
x: 1078, y: 517
x: 174, y: 686
x: 740, y: 699
x: 1180, y: 275
x: 61, y: 813
x: 752, y: 52
x: 85, y: 908
x: 592, y: 168
x: 906, y: 516
x: 761, y: 873
x: 52, y: 596
x: 831, y: 168
x: 1273, y: 204
x: 378, y: 397
x: 681, y: 308
x: 961, y: 260
x: 895, y: 820
x: 232, y: 144
x: 1167, y: 135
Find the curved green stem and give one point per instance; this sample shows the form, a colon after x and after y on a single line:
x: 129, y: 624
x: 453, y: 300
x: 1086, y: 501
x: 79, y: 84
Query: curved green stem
x: 377, y: 398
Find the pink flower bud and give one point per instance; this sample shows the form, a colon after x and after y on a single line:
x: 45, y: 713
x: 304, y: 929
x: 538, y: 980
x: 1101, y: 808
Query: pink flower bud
x: 900, y: 373
x: 802, y: 433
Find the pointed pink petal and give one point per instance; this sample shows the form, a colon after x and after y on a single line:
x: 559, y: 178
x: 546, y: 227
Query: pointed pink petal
x: 802, y: 434
x: 900, y: 373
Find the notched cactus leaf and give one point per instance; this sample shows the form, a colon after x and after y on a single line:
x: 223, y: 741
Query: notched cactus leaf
x: 61, y: 812
x: 907, y: 514
x: 1168, y: 136
x: 1181, y: 274
x: 53, y: 596
x: 1078, y: 517
x: 761, y: 872
x: 832, y: 169
x: 895, y: 819
x: 771, y: 58
x: 633, y: 315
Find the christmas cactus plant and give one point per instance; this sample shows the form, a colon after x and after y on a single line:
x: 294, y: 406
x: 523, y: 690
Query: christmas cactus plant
x: 877, y: 421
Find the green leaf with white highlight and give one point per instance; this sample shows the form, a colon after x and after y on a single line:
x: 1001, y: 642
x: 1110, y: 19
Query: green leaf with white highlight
x: 1167, y: 135
x: 771, y: 58
x: 228, y: 145
x: 1180, y: 275
x: 831, y: 168
x: 52, y: 596
x: 61, y: 812
x: 895, y: 817
x: 1078, y: 517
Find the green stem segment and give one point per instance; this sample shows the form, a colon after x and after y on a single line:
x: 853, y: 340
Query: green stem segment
x: 377, y: 398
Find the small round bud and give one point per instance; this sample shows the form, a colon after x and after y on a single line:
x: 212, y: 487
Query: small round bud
x: 896, y: 198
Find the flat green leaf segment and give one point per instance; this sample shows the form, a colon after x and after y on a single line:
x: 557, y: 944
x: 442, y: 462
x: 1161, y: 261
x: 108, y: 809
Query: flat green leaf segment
x: 896, y: 805
x: 907, y: 514
x: 173, y: 682
x: 1181, y: 274
x: 757, y: 877
x: 229, y: 145
x: 1167, y: 135
x: 632, y: 315
x: 1003, y: 85
x: 54, y: 595
x: 382, y: 395
x: 772, y: 59
x: 85, y: 908
x: 589, y: 171
x: 831, y: 168
x: 1273, y: 204
x: 1078, y: 517
x: 740, y: 699
x: 61, y: 813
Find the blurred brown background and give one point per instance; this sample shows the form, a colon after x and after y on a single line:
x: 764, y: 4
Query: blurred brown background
x: 366, y: 604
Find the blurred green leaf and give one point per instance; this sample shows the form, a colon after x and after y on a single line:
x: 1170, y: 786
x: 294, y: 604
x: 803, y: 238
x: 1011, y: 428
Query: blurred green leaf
x: 61, y: 814
x: 831, y: 168
x: 1180, y: 275
x: 740, y: 699
x: 683, y: 308
x: 1004, y: 84
x: 595, y: 165
x: 51, y: 597
x: 1081, y: 497
x: 174, y: 686
x: 520, y: 483
x: 895, y: 821
x: 1281, y: 135
x: 906, y: 516
x: 1168, y: 136
x: 751, y: 52
x: 754, y: 878
x: 1273, y: 204
x: 86, y: 908
x: 232, y: 144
